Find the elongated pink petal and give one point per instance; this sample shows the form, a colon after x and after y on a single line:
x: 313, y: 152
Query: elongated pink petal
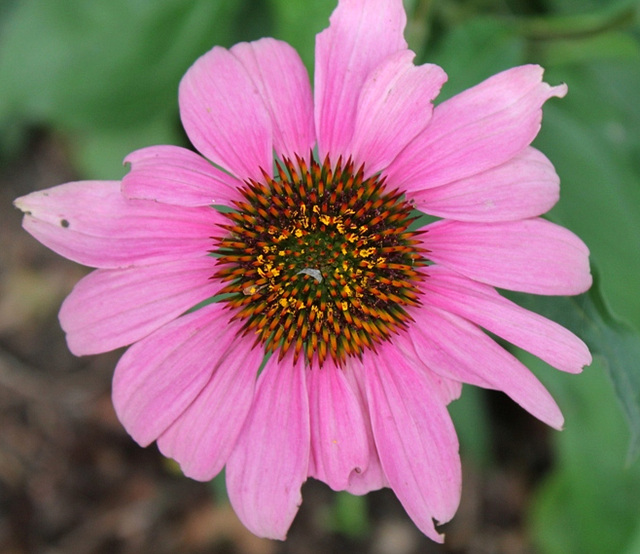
x: 224, y: 115
x: 416, y: 440
x: 457, y: 349
x: 202, y: 438
x: 449, y: 389
x: 159, y: 377
x: 270, y: 460
x: 177, y: 176
x: 525, y: 186
x: 478, y: 129
x: 373, y: 477
x: 282, y: 80
x: 362, y: 33
x: 339, y: 446
x: 531, y: 255
x: 482, y: 305
x: 394, y: 106
x: 110, y: 308
x: 91, y: 223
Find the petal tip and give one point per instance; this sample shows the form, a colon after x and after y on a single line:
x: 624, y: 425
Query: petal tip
x: 22, y: 203
x: 560, y: 91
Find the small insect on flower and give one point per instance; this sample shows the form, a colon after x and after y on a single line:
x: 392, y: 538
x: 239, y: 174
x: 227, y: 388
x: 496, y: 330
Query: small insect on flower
x: 343, y: 326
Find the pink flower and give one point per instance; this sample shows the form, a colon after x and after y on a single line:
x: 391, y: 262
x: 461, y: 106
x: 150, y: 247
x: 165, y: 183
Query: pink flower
x: 373, y: 327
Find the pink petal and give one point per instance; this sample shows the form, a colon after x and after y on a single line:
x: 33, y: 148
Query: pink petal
x: 457, y: 349
x: 159, y: 377
x: 394, y: 106
x: 416, y: 440
x: 373, y: 477
x: 224, y: 115
x: 362, y: 33
x: 482, y: 305
x: 202, y: 438
x: 339, y: 446
x: 177, y: 176
x: 525, y: 186
x: 531, y: 255
x: 282, y: 80
x: 478, y: 129
x: 449, y: 389
x: 91, y: 223
x: 111, y: 308
x: 270, y: 460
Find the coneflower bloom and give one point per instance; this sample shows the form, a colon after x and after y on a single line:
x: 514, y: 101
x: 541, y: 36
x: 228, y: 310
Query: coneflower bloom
x: 341, y: 329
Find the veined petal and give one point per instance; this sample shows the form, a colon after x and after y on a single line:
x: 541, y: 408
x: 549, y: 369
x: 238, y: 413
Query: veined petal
x: 270, y: 460
x: 450, y: 389
x: 202, y: 438
x: 531, y: 255
x: 92, y: 223
x: 178, y: 176
x: 160, y: 376
x: 373, y: 477
x: 282, y: 80
x: 475, y: 130
x: 457, y: 349
x: 416, y: 440
x: 361, y: 34
x: 482, y: 305
x: 339, y: 445
x: 394, y: 106
x: 110, y: 308
x: 224, y: 115
x: 525, y: 186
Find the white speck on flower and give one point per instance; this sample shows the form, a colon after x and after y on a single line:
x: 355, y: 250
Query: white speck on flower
x: 315, y: 273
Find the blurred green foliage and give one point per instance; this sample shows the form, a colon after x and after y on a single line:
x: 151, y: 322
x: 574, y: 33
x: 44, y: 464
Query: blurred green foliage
x: 591, y: 502
x: 104, y: 76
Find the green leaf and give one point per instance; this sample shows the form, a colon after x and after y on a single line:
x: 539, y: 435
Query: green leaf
x: 634, y: 544
x: 593, y: 10
x: 474, y: 51
x: 615, y: 344
x: 298, y: 23
x: 618, y: 347
x: 591, y: 137
x: 578, y: 23
x: 349, y: 515
x: 612, y: 45
x: 470, y: 416
x: 219, y: 487
x: 590, y: 502
x: 99, y: 153
x: 105, y: 64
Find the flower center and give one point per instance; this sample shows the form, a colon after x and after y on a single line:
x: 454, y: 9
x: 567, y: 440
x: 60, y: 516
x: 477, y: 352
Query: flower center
x: 320, y: 261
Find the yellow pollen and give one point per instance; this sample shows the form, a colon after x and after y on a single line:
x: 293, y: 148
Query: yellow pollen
x: 318, y: 262
x: 366, y: 252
